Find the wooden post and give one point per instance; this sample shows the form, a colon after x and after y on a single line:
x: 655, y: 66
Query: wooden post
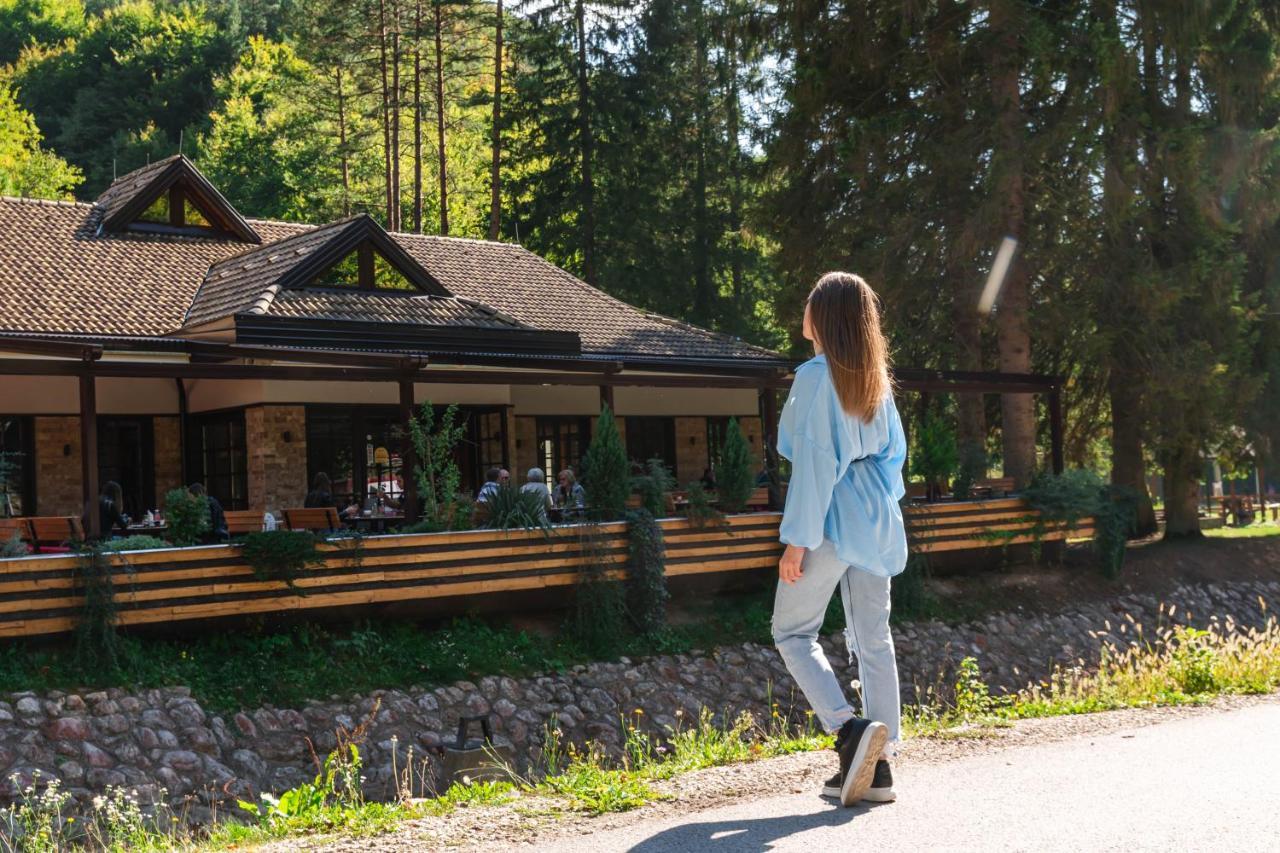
x: 89, y: 454
x: 408, y: 455
x: 606, y: 397
x: 769, y: 436
x: 1055, y: 429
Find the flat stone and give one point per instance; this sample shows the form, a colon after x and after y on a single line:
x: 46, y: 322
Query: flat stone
x: 96, y: 757
x: 29, y: 706
x: 182, y: 760
x: 68, y: 728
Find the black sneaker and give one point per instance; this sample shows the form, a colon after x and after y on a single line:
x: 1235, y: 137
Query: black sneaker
x: 831, y: 788
x: 881, y: 790
x: 859, y: 744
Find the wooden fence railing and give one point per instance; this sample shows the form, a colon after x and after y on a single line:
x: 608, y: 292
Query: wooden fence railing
x: 41, y: 595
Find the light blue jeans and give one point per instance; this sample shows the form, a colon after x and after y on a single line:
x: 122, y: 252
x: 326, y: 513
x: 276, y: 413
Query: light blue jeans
x: 798, y: 611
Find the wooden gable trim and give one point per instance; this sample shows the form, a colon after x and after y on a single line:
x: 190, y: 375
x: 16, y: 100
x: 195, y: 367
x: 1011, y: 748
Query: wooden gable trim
x: 362, y: 231
x: 182, y: 178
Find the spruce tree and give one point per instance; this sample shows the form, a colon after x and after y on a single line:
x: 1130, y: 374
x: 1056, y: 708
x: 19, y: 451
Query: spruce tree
x: 607, y: 474
x: 735, y: 478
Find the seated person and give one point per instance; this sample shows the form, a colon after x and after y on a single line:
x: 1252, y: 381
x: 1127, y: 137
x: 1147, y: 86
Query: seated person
x: 490, y: 486
x: 217, y: 518
x: 537, y: 484
x: 321, y: 495
x: 111, y: 510
x: 570, y: 497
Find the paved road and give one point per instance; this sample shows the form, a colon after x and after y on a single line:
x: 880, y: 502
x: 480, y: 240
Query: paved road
x: 1203, y: 783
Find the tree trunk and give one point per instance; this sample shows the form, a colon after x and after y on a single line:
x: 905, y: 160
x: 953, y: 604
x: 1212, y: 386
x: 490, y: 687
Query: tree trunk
x: 1128, y: 468
x: 586, y: 144
x: 733, y: 120
x: 441, y: 157
x: 1182, y: 494
x: 1013, y: 333
x: 417, y: 117
x: 395, y: 115
x: 495, y: 173
x: 343, y: 154
x: 386, y: 110
x: 703, y: 292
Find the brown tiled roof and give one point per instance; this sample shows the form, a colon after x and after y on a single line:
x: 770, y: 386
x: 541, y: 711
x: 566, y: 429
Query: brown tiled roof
x: 387, y: 308
x: 117, y: 207
x: 58, y: 275
x: 126, y: 187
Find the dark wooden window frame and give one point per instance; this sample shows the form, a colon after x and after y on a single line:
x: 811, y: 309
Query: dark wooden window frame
x: 26, y: 446
x: 135, y: 503
x: 197, y: 458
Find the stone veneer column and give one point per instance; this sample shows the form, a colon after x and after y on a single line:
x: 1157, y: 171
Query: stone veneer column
x: 168, y: 455
x: 526, y: 452
x: 277, y: 468
x: 753, y: 429
x: 58, y: 476
x: 691, y: 449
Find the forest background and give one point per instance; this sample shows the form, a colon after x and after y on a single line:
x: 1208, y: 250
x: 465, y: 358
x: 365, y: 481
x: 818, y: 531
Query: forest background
x: 707, y: 159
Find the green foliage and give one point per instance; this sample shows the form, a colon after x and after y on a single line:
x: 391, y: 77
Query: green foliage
x: 910, y: 595
x: 14, y: 546
x: 37, y: 22
x: 437, y: 473
x: 971, y: 468
x: 513, y: 509
x: 646, y: 573
x: 338, y: 782
x: 936, y: 456
x: 26, y: 168
x: 701, y: 511
x: 607, y: 476
x: 599, y: 620
x: 280, y: 555
x: 735, y: 475
x: 1193, y: 659
x: 653, y: 486
x: 1079, y: 494
x: 97, y: 645
x: 187, y: 516
x: 134, y: 543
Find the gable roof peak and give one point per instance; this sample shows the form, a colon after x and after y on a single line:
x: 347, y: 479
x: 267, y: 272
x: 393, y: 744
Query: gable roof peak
x: 125, y: 200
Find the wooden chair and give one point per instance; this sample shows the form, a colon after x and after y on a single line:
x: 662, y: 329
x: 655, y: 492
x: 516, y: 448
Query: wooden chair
x: 53, y: 533
x: 917, y: 491
x: 759, y: 498
x: 20, y: 526
x: 320, y: 519
x: 242, y: 521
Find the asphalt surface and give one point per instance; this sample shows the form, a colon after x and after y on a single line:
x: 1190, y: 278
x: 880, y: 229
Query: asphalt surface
x: 1208, y: 782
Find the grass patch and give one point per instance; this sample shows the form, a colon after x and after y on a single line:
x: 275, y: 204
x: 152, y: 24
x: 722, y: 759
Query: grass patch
x: 1257, y: 530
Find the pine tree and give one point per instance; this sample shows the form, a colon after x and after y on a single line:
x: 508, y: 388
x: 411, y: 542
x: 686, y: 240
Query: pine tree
x: 607, y: 475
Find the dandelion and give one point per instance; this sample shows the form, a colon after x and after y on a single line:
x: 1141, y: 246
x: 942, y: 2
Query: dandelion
x: 640, y: 712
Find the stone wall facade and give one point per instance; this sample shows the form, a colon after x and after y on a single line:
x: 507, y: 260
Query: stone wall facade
x: 163, y: 739
x: 168, y: 455
x: 58, y: 483
x: 277, y: 467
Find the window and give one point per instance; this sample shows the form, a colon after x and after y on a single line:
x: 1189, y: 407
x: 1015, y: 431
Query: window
x: 17, y: 467
x: 158, y: 212
x: 651, y: 438
x: 562, y: 442
x: 365, y: 269
x: 126, y: 454
x: 174, y: 209
x: 331, y: 443
x: 218, y: 456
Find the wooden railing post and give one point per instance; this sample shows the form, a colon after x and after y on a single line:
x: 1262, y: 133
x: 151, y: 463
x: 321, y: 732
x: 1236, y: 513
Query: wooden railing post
x: 408, y: 454
x: 89, y: 452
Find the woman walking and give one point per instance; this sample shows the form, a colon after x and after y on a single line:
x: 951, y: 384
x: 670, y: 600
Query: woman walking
x: 843, y: 528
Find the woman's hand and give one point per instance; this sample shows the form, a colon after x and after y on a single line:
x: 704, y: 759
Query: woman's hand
x: 790, y: 566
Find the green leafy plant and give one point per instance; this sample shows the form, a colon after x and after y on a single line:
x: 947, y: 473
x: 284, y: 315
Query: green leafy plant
x: 701, y: 511
x: 653, y: 486
x: 646, y: 573
x: 599, y: 613
x: 97, y: 642
x: 336, y: 783
x: 513, y: 509
x: 936, y: 456
x: 972, y: 467
x: 187, y: 516
x: 1078, y: 494
x: 280, y: 555
x: 607, y: 477
x: 134, y: 543
x: 437, y: 471
x: 735, y: 476
x: 14, y: 546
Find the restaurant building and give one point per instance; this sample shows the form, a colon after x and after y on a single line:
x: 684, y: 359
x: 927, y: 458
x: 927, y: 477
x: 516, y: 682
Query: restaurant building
x: 156, y: 337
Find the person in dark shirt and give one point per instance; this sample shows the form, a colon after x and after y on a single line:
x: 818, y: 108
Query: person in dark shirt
x: 217, y: 518
x: 321, y: 494
x: 111, y: 509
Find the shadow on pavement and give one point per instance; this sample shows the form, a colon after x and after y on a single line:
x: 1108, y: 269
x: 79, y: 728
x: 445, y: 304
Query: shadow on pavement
x: 745, y: 836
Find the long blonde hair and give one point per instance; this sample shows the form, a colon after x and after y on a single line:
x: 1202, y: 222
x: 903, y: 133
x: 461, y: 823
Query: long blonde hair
x: 845, y: 315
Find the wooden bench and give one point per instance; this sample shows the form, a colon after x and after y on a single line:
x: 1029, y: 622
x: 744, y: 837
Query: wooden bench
x: 759, y: 498
x: 242, y: 521
x: 19, y: 526
x: 55, y: 532
x: 321, y: 519
x: 994, y: 486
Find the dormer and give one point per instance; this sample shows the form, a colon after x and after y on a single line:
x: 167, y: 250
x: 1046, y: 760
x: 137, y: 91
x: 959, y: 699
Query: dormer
x: 172, y: 197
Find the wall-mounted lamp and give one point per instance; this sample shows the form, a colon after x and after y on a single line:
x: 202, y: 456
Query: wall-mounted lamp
x: 287, y: 436
x: 693, y: 439
x: 519, y: 443
x: 66, y: 450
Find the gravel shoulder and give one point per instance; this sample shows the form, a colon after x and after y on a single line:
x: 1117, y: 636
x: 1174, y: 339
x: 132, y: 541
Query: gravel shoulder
x: 542, y: 823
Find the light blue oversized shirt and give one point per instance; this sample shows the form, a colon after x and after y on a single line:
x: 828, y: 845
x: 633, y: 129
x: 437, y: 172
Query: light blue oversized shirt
x: 846, y: 475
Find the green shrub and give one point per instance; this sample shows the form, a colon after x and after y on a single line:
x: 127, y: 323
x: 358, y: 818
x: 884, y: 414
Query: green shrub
x: 14, y: 546
x: 97, y: 643
x: 1077, y: 494
x: 972, y: 467
x: 512, y: 509
x: 599, y: 612
x: 280, y: 555
x: 187, y: 516
x: 936, y: 456
x: 134, y: 543
x: 735, y: 478
x: 653, y: 486
x: 646, y: 573
x: 701, y: 511
x: 437, y: 471
x: 910, y: 596
x: 607, y: 477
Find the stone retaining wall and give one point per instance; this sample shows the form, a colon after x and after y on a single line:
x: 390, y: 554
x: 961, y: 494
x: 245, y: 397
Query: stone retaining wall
x: 163, y: 743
